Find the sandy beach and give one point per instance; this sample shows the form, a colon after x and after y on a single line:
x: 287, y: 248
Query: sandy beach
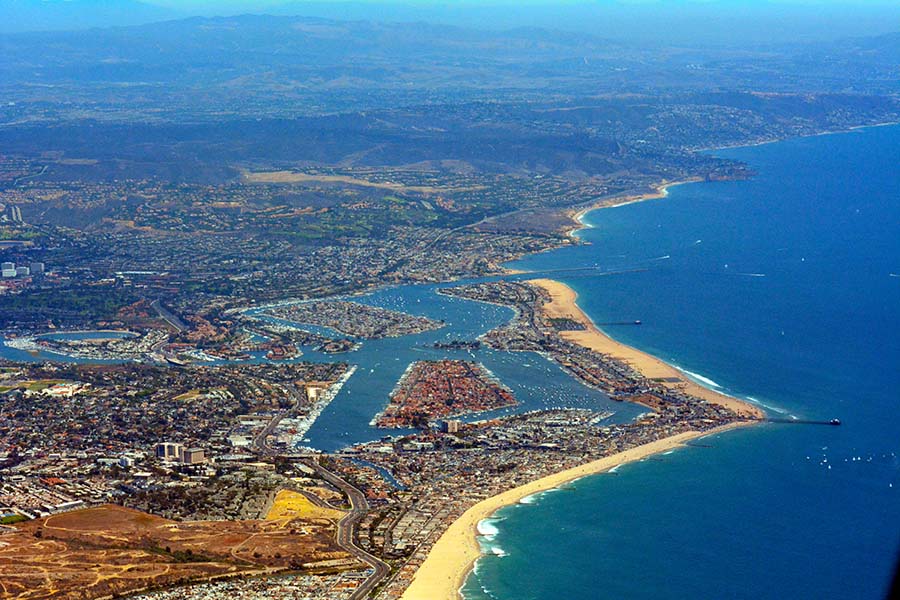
x: 445, y: 569
x: 564, y: 305
x: 660, y: 191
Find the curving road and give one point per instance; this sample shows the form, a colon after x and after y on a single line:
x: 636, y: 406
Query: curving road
x: 359, y: 506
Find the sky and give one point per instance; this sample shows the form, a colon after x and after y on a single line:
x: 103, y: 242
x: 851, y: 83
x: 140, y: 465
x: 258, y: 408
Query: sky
x: 176, y: 3
x: 183, y: 4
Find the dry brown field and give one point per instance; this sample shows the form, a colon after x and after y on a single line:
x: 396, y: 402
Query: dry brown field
x: 108, y: 550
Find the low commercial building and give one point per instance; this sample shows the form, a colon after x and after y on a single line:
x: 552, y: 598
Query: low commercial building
x: 193, y: 456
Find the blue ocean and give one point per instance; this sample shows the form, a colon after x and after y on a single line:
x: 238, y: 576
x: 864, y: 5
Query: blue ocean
x: 784, y: 288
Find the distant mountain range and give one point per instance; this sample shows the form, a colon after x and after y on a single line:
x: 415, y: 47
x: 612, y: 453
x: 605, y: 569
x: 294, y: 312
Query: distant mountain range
x: 662, y: 21
x: 286, y: 66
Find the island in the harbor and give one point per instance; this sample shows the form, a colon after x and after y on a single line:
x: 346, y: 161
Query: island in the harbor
x: 355, y: 319
x: 436, y: 389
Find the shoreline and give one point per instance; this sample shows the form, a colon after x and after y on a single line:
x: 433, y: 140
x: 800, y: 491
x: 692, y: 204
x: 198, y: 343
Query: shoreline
x: 443, y: 573
x: 447, y: 566
x: 660, y: 190
x: 564, y: 304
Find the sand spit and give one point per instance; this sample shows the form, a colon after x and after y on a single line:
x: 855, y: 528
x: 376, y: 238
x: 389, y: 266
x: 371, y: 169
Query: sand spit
x: 564, y: 304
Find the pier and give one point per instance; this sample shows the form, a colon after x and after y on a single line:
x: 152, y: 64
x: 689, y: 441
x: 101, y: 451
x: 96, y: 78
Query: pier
x: 832, y: 422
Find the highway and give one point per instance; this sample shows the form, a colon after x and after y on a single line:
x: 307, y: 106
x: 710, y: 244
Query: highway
x: 359, y: 506
x: 168, y: 316
x: 260, y: 442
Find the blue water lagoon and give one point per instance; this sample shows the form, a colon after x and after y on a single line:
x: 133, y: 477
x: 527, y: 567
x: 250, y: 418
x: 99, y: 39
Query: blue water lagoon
x: 536, y: 382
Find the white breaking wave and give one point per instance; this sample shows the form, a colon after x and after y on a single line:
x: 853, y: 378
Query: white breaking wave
x: 487, y: 529
x: 533, y: 498
x: 700, y: 378
x: 764, y: 405
x: 487, y: 592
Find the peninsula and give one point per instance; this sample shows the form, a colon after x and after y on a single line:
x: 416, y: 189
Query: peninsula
x: 563, y: 305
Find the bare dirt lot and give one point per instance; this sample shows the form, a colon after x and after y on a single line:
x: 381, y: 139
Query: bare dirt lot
x: 107, y: 550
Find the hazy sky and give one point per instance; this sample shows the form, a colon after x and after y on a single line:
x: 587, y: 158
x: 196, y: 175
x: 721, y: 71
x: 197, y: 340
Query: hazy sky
x: 537, y: 2
x: 188, y: 4
x: 732, y: 22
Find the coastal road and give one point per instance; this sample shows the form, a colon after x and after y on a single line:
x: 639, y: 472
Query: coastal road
x: 359, y: 506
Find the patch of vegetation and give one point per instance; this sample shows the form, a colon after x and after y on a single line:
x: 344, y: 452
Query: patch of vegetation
x: 11, y: 519
x: 75, y: 305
